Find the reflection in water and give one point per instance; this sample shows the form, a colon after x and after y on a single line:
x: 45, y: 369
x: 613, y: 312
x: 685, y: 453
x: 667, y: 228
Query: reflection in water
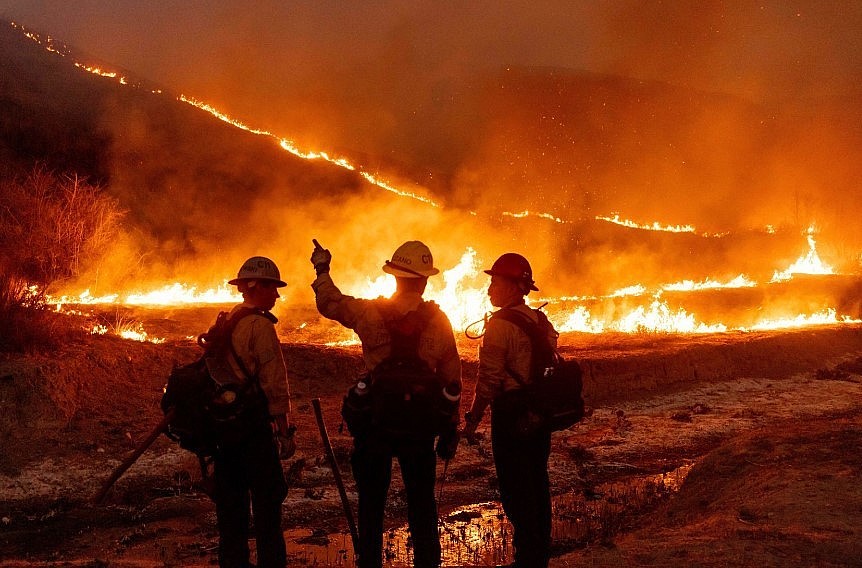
x: 312, y: 548
x: 480, y: 535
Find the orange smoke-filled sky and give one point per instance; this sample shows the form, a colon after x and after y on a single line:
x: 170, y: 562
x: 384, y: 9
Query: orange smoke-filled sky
x: 395, y: 83
x: 342, y: 72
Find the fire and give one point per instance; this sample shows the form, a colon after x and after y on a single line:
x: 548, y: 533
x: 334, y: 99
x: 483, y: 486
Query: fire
x: 177, y: 293
x: 462, y: 295
x: 168, y: 295
x: 289, y: 146
x: 825, y: 317
x: 808, y: 263
x: 655, y: 226
x: 101, y: 72
x: 659, y: 317
x: 132, y: 331
x: 525, y: 213
x: 634, y: 290
x: 741, y: 281
x: 463, y: 292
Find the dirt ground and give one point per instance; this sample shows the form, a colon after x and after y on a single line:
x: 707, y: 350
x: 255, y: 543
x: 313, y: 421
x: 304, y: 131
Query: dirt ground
x: 722, y: 450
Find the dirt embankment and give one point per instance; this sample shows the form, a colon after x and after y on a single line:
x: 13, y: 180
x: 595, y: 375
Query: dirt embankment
x: 772, y: 414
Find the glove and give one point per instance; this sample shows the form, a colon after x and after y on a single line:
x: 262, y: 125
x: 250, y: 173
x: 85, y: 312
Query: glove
x: 469, y: 431
x: 320, y: 258
x: 447, y: 444
x: 286, y: 444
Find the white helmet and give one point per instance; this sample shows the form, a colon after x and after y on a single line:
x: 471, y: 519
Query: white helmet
x: 258, y: 268
x: 411, y: 260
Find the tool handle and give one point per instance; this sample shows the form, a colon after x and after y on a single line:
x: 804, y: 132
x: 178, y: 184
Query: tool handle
x: 345, y: 503
x: 133, y: 457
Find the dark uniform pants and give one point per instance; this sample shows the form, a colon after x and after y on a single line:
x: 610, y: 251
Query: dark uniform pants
x: 249, y: 473
x: 372, y: 470
x: 522, y: 471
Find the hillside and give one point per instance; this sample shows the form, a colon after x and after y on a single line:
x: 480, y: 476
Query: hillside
x: 182, y: 174
x: 200, y: 193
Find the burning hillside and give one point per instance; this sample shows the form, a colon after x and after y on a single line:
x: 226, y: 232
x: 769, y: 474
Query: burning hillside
x: 597, y: 271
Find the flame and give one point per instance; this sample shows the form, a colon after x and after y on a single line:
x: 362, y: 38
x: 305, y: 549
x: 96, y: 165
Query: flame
x: 657, y: 317
x: 578, y: 319
x: 525, y: 213
x: 167, y: 295
x: 177, y: 293
x: 808, y: 263
x: 741, y: 281
x: 825, y: 317
x: 133, y: 331
x: 463, y: 297
x: 655, y: 226
x: 635, y: 290
x: 289, y: 146
x: 344, y: 343
x: 463, y: 294
x: 101, y: 72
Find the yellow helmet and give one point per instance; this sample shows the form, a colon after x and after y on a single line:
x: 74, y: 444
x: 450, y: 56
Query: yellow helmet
x: 258, y: 268
x: 411, y: 260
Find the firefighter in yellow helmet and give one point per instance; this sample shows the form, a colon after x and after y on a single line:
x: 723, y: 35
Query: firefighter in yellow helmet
x: 521, y: 459
x: 408, y: 335
x: 247, y: 467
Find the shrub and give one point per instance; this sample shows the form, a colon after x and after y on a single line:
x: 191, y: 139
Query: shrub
x: 50, y: 225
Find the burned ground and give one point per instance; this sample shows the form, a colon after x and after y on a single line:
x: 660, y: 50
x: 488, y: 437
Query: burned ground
x: 730, y: 449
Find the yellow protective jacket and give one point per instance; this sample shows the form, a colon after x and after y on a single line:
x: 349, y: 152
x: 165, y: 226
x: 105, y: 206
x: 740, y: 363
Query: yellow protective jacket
x: 436, y: 343
x: 506, y: 346
x: 256, y: 343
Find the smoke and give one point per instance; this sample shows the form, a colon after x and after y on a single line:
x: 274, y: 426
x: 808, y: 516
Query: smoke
x: 728, y: 116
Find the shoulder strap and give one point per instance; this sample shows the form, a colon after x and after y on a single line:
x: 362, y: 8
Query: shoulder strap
x: 230, y: 322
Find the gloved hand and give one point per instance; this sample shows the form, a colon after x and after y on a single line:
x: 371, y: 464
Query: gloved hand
x: 469, y: 431
x: 320, y: 258
x: 286, y: 443
x: 282, y: 434
x: 447, y: 444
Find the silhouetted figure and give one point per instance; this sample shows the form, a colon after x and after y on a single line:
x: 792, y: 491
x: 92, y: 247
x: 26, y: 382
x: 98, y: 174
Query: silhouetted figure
x: 247, y: 466
x: 408, y: 344
x: 521, y: 449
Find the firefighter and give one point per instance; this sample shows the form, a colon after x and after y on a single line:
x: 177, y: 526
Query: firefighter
x: 374, y: 448
x: 521, y: 459
x: 247, y: 467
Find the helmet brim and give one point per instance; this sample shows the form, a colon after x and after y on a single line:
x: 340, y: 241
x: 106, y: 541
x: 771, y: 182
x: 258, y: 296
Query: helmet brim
x: 404, y: 272
x: 278, y: 283
x: 490, y: 272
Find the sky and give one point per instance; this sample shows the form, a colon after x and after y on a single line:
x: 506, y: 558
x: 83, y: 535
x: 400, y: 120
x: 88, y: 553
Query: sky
x: 320, y: 54
x: 361, y: 76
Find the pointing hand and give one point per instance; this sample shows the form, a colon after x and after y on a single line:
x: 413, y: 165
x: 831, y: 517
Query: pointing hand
x: 320, y: 258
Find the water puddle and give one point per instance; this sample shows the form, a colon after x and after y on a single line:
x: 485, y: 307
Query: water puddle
x: 480, y: 535
x: 306, y: 547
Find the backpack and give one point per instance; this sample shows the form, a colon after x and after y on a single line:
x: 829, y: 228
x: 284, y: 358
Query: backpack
x: 402, y: 396
x: 210, y: 405
x: 554, y: 394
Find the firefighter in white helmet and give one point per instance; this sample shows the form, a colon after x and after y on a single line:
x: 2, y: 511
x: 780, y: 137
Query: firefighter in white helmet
x: 402, y: 332
x: 247, y: 468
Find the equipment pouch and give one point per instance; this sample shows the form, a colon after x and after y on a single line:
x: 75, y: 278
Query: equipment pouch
x: 356, y: 411
x: 515, y: 414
